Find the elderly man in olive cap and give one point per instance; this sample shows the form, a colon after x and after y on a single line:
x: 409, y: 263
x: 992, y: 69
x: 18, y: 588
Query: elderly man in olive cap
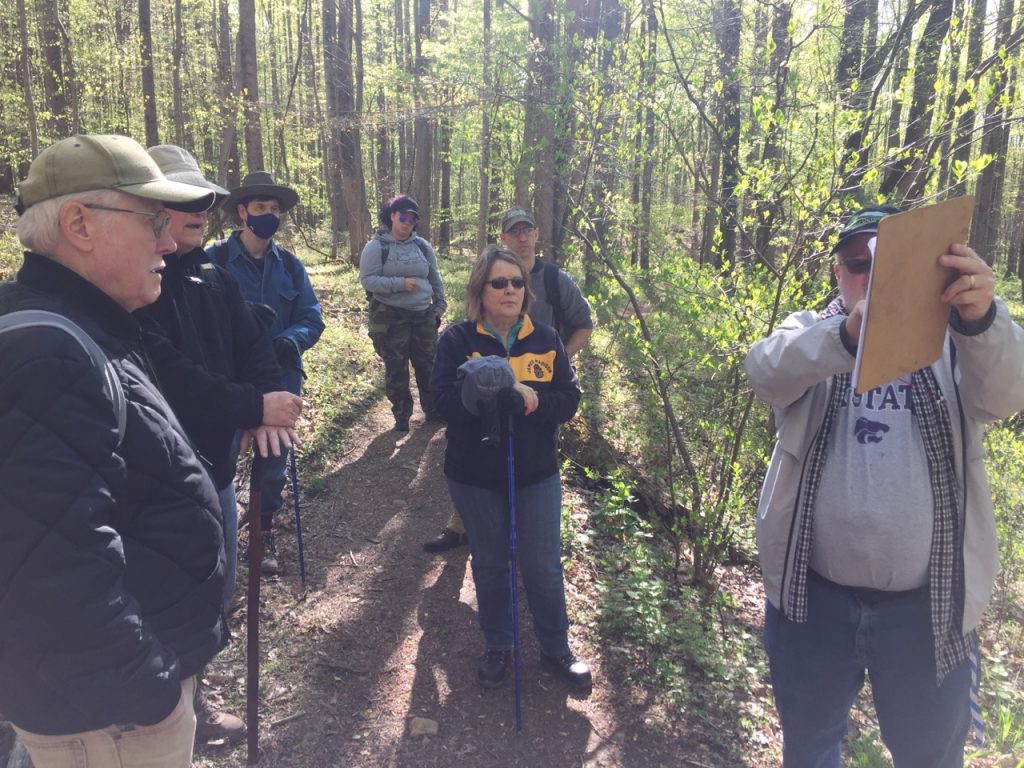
x: 272, y: 275
x: 111, y: 562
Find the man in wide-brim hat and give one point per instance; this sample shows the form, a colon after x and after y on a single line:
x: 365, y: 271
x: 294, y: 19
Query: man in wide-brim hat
x: 271, y: 275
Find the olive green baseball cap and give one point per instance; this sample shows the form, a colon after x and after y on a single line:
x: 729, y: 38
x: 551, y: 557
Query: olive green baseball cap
x: 88, y: 162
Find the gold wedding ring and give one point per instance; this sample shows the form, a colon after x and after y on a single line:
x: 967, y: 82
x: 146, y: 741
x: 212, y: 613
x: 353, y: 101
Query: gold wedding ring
x: 972, y: 282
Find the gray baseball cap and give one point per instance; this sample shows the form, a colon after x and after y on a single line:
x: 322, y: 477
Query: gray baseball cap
x: 178, y: 164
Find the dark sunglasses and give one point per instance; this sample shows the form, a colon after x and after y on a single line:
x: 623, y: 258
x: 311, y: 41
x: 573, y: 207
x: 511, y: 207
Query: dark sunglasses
x: 501, y: 283
x: 408, y: 218
x: 858, y: 266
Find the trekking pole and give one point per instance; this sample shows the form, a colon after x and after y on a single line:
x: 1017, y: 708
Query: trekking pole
x: 513, y: 556
x: 298, y: 521
x: 252, y: 620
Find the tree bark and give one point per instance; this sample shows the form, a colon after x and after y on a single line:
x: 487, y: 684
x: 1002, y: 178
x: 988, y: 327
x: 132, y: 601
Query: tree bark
x: 26, y: 74
x: 249, y: 80
x: 177, y: 53
x: 54, y: 84
x: 483, y: 220
x: 346, y: 154
x: 423, y: 159
x: 148, y: 81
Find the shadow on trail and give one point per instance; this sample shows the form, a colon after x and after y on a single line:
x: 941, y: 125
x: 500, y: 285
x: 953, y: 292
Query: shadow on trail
x: 477, y: 726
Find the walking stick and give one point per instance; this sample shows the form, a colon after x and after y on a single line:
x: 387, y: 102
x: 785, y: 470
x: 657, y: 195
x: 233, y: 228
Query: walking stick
x: 513, y: 556
x: 298, y: 521
x: 252, y: 620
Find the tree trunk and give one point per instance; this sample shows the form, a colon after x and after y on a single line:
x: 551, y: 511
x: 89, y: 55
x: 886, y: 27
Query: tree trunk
x: 26, y: 74
x: 227, y: 161
x: 346, y: 155
x: 248, y: 75
x: 727, y: 17
x: 423, y: 159
x: 995, y: 137
x: 903, y: 173
x: 177, y: 53
x: 482, y: 227
x: 770, y: 206
x: 54, y: 85
x: 538, y: 158
x: 148, y: 82
x: 964, y: 139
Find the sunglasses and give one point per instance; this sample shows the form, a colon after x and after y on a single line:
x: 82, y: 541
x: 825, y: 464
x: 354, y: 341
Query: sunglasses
x: 858, y: 266
x: 408, y: 218
x: 501, y: 283
x: 158, y: 220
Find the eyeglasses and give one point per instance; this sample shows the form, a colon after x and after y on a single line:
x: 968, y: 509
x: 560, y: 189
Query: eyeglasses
x: 158, y: 220
x: 857, y: 266
x: 501, y: 283
x: 520, y: 231
x: 408, y: 218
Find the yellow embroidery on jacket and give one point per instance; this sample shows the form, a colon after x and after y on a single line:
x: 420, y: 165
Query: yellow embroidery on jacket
x: 531, y: 366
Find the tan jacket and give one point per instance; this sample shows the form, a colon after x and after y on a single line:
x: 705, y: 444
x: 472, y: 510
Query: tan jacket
x: 792, y: 371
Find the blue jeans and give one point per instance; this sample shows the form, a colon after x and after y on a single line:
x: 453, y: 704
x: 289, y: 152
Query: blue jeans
x: 818, y: 669
x: 229, y: 511
x: 538, y: 511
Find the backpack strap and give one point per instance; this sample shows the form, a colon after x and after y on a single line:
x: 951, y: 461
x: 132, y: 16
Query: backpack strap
x: 34, y: 318
x: 551, y: 291
x: 220, y: 252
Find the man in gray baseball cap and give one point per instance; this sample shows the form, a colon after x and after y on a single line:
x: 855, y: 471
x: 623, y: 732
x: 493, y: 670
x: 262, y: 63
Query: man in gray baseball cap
x: 112, y: 559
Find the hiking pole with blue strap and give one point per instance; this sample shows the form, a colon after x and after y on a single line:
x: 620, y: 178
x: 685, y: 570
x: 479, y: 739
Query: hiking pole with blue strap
x: 513, y: 556
x: 298, y: 520
x: 252, y: 619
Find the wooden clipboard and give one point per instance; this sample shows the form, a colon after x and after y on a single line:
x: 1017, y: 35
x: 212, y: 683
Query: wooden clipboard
x: 905, y: 322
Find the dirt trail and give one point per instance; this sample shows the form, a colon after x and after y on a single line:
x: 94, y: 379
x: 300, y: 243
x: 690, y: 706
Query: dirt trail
x: 386, y: 633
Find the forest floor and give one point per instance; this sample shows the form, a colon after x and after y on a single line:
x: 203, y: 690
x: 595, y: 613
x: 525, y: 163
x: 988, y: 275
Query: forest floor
x: 385, y: 633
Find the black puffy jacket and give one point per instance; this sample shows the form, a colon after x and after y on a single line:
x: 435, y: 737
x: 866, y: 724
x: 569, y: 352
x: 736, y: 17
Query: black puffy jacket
x: 111, y: 556
x: 211, y: 354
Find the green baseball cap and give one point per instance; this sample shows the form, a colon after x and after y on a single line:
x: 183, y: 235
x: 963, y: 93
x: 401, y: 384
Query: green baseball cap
x: 87, y: 162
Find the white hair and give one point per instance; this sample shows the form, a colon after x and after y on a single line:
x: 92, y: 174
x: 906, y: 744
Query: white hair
x: 38, y: 227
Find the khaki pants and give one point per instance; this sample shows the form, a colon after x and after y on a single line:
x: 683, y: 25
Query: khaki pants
x: 168, y: 744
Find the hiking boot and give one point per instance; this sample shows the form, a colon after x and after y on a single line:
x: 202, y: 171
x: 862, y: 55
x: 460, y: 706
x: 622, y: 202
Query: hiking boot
x: 212, y: 725
x: 492, y: 668
x: 569, y: 668
x: 445, y: 540
x: 401, y: 423
x: 270, y: 565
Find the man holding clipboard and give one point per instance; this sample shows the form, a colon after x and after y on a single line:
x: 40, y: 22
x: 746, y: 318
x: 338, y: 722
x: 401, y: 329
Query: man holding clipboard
x: 875, y: 527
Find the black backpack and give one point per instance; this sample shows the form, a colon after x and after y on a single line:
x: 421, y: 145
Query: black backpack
x: 554, y: 297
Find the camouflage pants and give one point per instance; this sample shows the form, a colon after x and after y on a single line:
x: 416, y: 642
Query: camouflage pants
x: 400, y: 337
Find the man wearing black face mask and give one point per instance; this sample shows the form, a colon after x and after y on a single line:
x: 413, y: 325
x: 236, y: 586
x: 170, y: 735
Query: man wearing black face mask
x: 271, y: 275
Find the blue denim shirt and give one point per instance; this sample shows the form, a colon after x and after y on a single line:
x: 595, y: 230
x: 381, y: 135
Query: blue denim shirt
x: 283, y: 285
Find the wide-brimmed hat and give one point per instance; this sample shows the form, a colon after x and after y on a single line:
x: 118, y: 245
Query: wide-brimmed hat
x: 88, y: 162
x: 178, y: 164
x: 864, y: 221
x: 261, y: 184
x: 515, y: 216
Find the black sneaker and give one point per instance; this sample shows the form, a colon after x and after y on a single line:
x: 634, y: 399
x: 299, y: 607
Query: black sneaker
x: 493, y: 667
x: 570, y: 669
x: 445, y: 540
x: 401, y: 424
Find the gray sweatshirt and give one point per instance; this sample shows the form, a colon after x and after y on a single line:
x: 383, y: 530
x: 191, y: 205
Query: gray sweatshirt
x: 405, y: 259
